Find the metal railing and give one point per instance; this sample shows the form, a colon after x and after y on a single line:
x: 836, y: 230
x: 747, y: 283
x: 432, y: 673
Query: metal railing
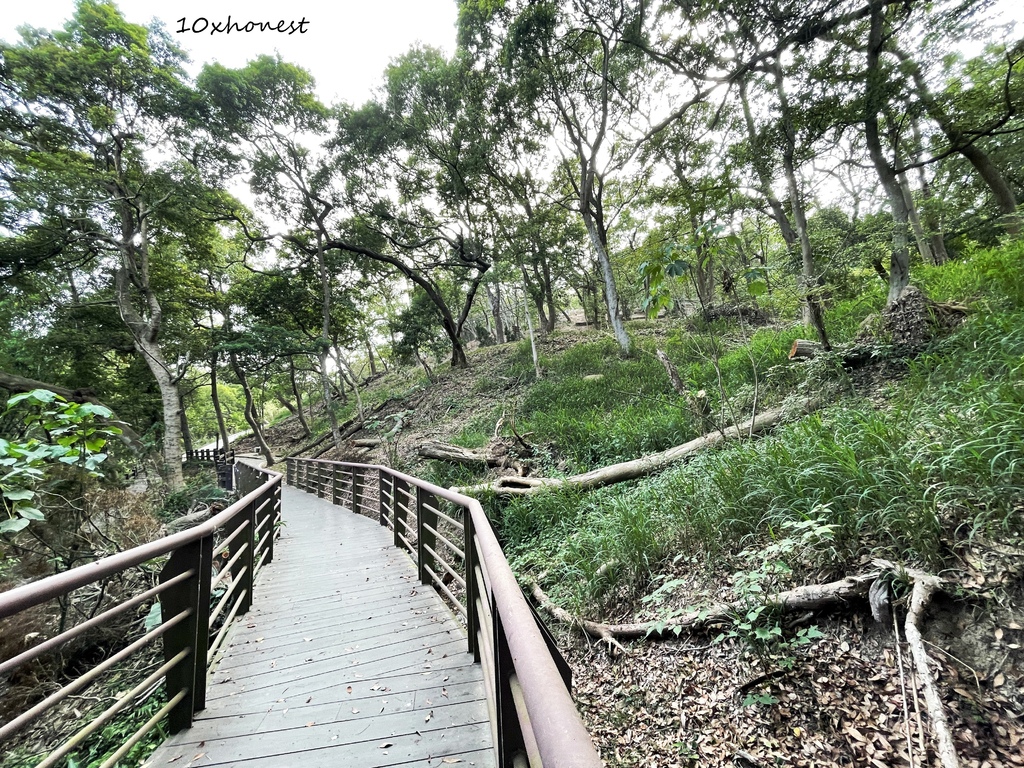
x: 223, y: 460
x: 197, y: 599
x: 212, y: 454
x: 534, y: 721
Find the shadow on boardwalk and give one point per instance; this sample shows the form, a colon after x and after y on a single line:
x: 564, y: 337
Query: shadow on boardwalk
x: 345, y: 660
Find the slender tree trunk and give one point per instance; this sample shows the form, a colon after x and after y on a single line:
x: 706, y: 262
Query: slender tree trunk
x: 899, y: 268
x: 325, y: 338
x: 222, y: 427
x: 186, y: 433
x: 298, y: 398
x: 611, y: 293
x: 811, y: 279
x: 370, y: 356
x: 924, y: 247
x: 494, y: 297
x: 931, y: 222
x: 251, y: 415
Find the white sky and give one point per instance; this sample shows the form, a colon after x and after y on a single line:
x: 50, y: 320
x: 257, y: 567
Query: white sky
x: 347, y: 46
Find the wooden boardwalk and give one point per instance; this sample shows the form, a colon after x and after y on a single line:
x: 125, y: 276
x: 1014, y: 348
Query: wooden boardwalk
x: 344, y: 660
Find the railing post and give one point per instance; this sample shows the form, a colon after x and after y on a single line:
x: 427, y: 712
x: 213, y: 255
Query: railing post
x: 266, y: 520
x: 472, y: 589
x: 424, y: 537
x: 401, y: 514
x: 334, y: 484
x: 289, y: 471
x: 247, y: 561
x: 510, y: 734
x: 192, y: 595
x: 355, y: 490
x: 381, y: 504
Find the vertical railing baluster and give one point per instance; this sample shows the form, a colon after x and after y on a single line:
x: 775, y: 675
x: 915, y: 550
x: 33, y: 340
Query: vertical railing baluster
x: 426, y: 518
x: 401, y: 514
x: 334, y: 484
x: 356, y: 496
x: 185, y: 597
x: 510, y: 734
x: 472, y: 589
x: 381, y: 508
x: 243, y: 567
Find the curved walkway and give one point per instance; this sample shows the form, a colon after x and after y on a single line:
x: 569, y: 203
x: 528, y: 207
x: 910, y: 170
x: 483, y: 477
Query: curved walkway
x: 345, y: 660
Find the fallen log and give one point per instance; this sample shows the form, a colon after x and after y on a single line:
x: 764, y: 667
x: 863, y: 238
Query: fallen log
x: 645, y: 465
x: 433, y: 449
x: 803, y: 349
x: 497, y: 454
x: 810, y: 597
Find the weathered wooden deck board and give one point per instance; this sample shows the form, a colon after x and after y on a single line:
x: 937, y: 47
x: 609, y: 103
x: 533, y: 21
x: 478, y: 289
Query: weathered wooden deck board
x: 345, y: 659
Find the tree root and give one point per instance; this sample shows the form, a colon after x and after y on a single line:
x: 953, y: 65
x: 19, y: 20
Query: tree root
x: 925, y: 585
x: 805, y: 598
x: 808, y: 597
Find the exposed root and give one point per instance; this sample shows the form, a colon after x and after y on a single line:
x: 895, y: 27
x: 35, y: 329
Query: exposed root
x: 925, y: 585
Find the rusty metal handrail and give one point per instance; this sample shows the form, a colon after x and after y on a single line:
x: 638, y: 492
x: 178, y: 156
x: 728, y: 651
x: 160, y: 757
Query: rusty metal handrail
x: 184, y: 592
x: 534, y: 719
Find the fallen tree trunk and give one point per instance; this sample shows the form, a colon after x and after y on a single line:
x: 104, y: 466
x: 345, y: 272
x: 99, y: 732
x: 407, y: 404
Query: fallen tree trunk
x: 496, y: 454
x: 645, y: 465
x: 811, y: 597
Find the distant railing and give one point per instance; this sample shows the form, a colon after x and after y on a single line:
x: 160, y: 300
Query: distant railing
x: 533, y: 718
x: 223, y: 460
x: 211, y: 454
x: 240, y: 540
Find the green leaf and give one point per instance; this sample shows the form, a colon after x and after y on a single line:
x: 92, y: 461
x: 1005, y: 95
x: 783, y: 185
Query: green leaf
x: 19, y: 494
x: 154, y: 618
x: 31, y: 513
x: 13, y: 526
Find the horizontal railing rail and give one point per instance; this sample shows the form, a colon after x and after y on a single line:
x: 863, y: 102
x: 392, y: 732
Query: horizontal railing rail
x: 534, y: 721
x: 206, y: 577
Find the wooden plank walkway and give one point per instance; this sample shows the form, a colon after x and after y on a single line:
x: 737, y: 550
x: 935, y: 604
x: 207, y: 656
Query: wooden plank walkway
x: 344, y: 660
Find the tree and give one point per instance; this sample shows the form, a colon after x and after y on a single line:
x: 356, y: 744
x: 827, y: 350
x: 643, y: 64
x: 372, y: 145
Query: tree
x: 576, y: 57
x: 82, y: 109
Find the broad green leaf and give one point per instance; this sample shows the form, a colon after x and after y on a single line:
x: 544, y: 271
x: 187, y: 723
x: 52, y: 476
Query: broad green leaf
x: 13, y: 526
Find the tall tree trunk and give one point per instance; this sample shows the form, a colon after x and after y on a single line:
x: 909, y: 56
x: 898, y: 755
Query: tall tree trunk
x: 251, y: 415
x: 931, y: 223
x: 899, y: 263
x: 811, y: 279
x: 611, y: 293
x: 325, y: 338
x: 222, y: 427
x: 494, y: 297
x: 298, y: 398
x: 145, y: 335
x: 370, y: 356
x: 924, y: 247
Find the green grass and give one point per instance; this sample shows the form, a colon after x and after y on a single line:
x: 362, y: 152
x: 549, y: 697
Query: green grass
x: 940, y: 463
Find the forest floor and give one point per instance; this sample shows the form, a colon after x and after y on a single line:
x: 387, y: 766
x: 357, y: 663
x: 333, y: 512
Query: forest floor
x: 849, y: 697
